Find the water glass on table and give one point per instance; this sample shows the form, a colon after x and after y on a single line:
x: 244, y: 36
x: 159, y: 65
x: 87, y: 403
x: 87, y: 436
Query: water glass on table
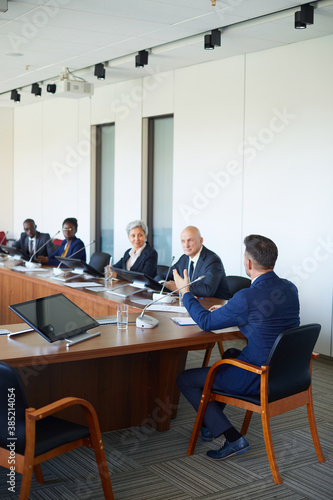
x: 122, y: 316
x: 107, y: 277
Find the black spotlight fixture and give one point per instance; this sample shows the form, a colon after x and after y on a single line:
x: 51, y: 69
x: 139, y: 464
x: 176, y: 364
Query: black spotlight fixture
x: 99, y: 71
x: 51, y: 87
x: 213, y: 40
x: 304, y: 16
x: 15, y: 96
x: 36, y: 89
x: 141, y: 59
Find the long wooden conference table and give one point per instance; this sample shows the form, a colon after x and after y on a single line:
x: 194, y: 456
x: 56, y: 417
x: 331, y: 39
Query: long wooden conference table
x: 129, y: 376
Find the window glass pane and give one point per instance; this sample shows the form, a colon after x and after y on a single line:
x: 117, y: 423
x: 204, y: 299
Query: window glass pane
x: 162, y: 188
x: 106, y: 189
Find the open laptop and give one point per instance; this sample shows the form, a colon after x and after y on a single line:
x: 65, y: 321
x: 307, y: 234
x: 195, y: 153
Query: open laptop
x: 55, y: 318
x: 14, y: 251
x: 79, y: 264
x: 139, y: 281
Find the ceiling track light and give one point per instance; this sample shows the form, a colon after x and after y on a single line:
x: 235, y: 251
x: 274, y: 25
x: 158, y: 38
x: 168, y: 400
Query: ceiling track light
x: 99, y: 71
x: 304, y: 16
x: 141, y: 59
x: 36, y: 89
x: 213, y: 40
x: 15, y: 96
x: 51, y: 87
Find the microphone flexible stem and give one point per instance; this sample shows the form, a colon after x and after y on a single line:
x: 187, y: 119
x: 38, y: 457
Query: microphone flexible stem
x: 77, y: 251
x: 167, y: 274
x: 46, y: 242
x: 171, y: 293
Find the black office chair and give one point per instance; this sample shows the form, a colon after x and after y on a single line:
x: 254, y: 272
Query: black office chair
x: 285, y: 384
x: 40, y: 436
x: 162, y: 269
x: 99, y: 260
x: 235, y: 283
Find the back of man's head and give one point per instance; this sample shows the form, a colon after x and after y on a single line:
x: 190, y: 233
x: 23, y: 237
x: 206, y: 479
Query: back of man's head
x: 261, y: 250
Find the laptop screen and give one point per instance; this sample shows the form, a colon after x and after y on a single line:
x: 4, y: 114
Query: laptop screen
x: 54, y: 317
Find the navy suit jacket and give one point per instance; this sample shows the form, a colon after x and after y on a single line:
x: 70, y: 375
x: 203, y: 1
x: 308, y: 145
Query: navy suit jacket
x: 261, y: 312
x: 41, y: 239
x: 213, y: 285
x: 146, y: 263
x: 75, y: 245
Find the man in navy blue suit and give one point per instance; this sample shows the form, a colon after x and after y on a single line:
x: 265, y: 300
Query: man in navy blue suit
x: 198, y: 261
x: 261, y: 312
x: 32, y: 242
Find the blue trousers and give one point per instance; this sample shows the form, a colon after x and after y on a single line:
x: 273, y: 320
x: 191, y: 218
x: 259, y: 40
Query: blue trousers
x: 191, y: 383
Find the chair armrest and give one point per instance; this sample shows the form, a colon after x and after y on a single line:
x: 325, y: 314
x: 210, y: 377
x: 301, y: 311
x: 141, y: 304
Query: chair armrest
x: 240, y: 364
x: 57, y: 406
x: 229, y: 361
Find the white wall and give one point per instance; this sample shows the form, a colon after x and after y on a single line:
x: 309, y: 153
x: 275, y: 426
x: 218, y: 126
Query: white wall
x: 52, y: 165
x: 288, y: 174
x: 252, y: 153
x: 6, y: 169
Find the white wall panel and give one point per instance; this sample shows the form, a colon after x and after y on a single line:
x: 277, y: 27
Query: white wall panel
x: 157, y: 94
x: 288, y: 174
x: 6, y: 163
x: 29, y: 175
x: 103, y: 105
x: 128, y: 133
x: 64, y: 158
x: 208, y: 128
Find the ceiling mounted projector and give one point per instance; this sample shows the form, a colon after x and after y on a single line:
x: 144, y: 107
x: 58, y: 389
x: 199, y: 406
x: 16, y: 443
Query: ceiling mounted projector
x: 74, y: 89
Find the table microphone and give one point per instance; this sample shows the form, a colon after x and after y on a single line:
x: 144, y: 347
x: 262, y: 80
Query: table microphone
x: 144, y: 321
x: 34, y: 264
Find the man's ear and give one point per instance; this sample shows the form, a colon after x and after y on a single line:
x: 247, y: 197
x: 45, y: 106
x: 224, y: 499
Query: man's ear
x: 249, y: 264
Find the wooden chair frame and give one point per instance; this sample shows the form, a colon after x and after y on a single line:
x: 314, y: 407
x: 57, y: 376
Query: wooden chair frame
x: 265, y: 408
x: 28, y: 463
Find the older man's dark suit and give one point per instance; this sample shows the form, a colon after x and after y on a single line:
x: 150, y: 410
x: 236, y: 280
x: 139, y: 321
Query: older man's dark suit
x: 209, y: 264
x: 41, y: 239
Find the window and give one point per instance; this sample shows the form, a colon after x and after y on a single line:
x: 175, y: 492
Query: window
x: 160, y: 169
x: 105, y: 188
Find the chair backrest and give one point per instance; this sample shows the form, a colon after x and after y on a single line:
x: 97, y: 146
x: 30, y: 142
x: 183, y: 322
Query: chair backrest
x: 162, y: 269
x: 3, y: 239
x: 99, y: 260
x: 289, y: 361
x: 12, y: 408
x: 237, y: 283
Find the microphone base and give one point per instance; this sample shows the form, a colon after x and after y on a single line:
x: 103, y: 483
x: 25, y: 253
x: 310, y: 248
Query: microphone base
x: 33, y: 265
x: 146, y: 321
x: 167, y: 299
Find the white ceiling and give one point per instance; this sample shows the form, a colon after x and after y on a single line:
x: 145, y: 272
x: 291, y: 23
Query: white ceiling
x: 39, y: 38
